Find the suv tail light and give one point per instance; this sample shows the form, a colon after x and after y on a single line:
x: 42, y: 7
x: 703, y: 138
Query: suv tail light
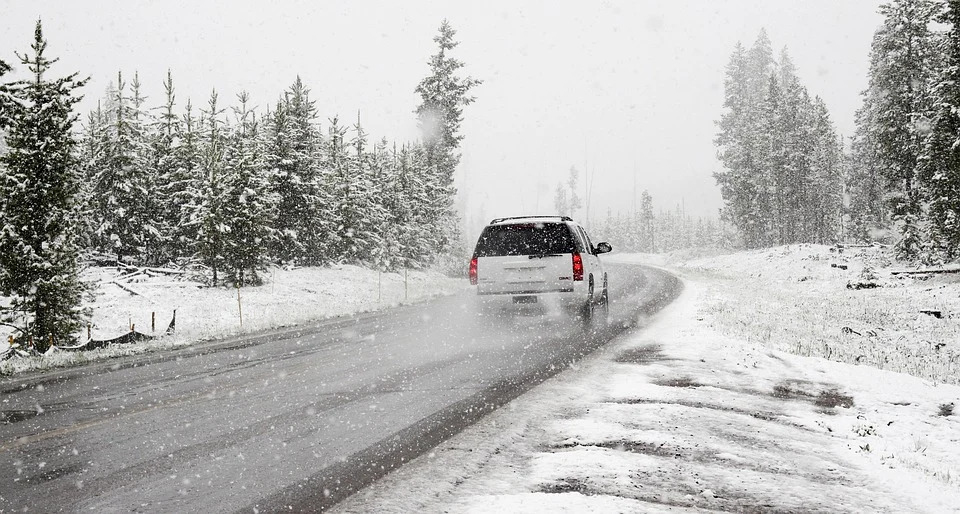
x: 577, y: 267
x: 473, y: 271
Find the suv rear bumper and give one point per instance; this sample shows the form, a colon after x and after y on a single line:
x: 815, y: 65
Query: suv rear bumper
x: 530, y: 292
x: 565, y: 299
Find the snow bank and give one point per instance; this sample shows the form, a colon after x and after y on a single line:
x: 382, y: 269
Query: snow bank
x: 288, y: 297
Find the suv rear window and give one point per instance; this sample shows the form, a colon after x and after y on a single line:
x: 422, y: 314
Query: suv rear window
x: 525, y: 239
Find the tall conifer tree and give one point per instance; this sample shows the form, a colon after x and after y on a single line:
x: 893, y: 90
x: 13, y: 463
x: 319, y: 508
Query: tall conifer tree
x: 898, y: 99
x: 444, y: 94
x: 942, y: 168
x: 207, y: 208
x: 248, y: 208
x: 123, y: 180
x: 39, y: 186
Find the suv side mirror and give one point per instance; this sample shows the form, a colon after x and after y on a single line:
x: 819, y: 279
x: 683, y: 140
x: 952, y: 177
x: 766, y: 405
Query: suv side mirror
x: 603, y: 248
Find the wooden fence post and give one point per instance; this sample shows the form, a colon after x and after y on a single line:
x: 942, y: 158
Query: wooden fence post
x: 239, y: 305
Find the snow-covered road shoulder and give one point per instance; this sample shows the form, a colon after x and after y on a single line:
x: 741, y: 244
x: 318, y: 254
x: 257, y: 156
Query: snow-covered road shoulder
x: 678, y: 416
x: 288, y: 297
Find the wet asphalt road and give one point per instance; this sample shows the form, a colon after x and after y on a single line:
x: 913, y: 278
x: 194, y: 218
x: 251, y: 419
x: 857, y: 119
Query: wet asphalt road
x: 293, y: 419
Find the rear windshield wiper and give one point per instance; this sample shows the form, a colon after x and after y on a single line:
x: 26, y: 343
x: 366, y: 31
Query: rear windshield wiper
x: 542, y: 255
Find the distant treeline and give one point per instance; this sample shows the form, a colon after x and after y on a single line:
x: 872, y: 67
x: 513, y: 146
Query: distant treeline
x: 646, y: 231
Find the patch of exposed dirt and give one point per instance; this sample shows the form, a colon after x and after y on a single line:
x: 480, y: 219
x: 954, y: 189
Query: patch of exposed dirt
x: 680, y: 494
x: 567, y: 485
x: 678, y: 382
x: 703, y: 455
x: 658, y: 450
x: 641, y: 355
x: 827, y: 398
x: 833, y: 398
x: 761, y: 415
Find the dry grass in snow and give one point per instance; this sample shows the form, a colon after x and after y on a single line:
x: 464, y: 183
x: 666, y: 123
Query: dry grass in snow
x: 796, y: 299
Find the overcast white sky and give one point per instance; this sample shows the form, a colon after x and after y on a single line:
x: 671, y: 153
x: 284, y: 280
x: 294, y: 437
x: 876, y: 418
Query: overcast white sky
x: 628, y: 89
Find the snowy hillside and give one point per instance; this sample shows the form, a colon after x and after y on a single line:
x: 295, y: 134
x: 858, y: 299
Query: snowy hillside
x: 710, y: 407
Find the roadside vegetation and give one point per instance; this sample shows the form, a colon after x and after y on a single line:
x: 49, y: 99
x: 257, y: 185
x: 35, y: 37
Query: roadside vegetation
x: 214, y: 189
x: 848, y: 304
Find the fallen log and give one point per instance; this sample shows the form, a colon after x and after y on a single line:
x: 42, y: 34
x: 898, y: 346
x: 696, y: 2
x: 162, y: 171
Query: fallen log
x: 126, y: 288
x: 926, y: 271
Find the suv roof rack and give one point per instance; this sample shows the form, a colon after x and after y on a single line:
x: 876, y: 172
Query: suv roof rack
x: 498, y: 220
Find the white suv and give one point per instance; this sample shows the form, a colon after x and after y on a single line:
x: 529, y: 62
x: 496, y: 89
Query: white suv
x: 540, y: 259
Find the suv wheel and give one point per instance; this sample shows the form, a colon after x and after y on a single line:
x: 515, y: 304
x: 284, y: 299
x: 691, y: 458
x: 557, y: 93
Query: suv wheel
x: 603, y: 314
x: 587, y: 310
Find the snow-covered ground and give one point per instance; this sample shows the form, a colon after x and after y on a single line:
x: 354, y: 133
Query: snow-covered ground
x: 728, y: 402
x: 288, y: 297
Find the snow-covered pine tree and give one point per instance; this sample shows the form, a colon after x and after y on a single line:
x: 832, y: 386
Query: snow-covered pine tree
x: 293, y: 156
x: 92, y: 144
x: 864, y: 206
x: 737, y: 145
x: 152, y: 235
x: 39, y: 188
x: 561, y: 201
x: 795, y: 185
x: 900, y: 70
x: 941, y: 170
x: 443, y: 95
x: 123, y: 181
x: 361, y: 209
x: 763, y: 146
x: 824, y: 200
x: 771, y: 177
x: 648, y: 242
x: 779, y: 181
x: 184, y: 184
x: 566, y: 201
x: 172, y: 179
x: 206, y: 209
x: 248, y: 207
x: 407, y: 199
x: 423, y: 237
x: 347, y: 192
x: 393, y: 227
